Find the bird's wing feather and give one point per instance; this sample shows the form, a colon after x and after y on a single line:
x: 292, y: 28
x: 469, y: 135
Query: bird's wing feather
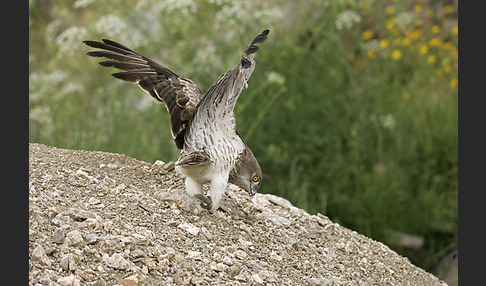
x: 231, y: 83
x: 194, y: 158
x: 180, y: 95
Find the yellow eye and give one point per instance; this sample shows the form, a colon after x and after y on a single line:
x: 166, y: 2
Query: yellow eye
x: 255, y: 178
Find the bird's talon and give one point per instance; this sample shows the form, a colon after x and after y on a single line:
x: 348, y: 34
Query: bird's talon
x: 205, y: 201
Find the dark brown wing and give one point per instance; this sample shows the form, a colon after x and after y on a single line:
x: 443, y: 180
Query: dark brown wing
x: 180, y: 95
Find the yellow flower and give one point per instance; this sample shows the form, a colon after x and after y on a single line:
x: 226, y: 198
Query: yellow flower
x: 416, y: 34
x: 366, y: 4
x: 434, y: 42
x: 417, y: 8
x: 406, y: 42
x: 396, y: 54
x: 455, y: 31
x: 406, y: 96
x: 446, y: 46
x: 390, y: 24
x: 429, y: 13
x: 431, y: 59
x: 371, y: 54
x: 448, y: 9
x: 453, y: 83
x: 447, y: 68
x: 397, y: 32
x: 389, y: 10
x: 435, y: 29
x: 455, y: 54
x: 350, y: 57
x: 423, y: 50
x: 384, y: 43
x: 368, y: 34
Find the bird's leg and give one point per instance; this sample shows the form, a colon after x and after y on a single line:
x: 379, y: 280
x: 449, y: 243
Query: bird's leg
x: 205, y: 201
x: 218, y: 186
x: 193, y: 187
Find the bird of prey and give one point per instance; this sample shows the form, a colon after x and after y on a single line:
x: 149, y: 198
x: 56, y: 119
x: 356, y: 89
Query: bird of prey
x: 203, y: 127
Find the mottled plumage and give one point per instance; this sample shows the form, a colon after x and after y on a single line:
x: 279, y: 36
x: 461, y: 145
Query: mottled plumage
x: 203, y: 127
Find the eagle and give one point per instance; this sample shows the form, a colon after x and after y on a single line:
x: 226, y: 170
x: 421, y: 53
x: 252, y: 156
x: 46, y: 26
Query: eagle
x: 203, y: 126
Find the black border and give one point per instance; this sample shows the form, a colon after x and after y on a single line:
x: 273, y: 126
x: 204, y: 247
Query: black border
x: 472, y: 143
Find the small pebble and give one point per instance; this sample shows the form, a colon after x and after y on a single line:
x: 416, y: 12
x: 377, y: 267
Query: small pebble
x: 40, y: 256
x: 117, y: 261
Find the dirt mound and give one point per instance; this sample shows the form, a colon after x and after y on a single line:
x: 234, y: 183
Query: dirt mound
x: 98, y: 218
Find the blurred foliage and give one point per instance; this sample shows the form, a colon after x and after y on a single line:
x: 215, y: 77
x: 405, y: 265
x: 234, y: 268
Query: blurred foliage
x: 351, y: 111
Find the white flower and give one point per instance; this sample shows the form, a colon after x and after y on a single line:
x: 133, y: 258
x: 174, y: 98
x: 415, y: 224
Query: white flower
x: 372, y: 45
x: 82, y: 3
x: 72, y: 87
x: 347, y: 19
x: 218, y: 2
x: 207, y: 58
x: 44, y: 84
x: 387, y: 121
x: 52, y: 29
x: 70, y: 40
x: 275, y: 77
x: 42, y: 115
x: 405, y: 19
x: 233, y: 15
x: 119, y: 30
x: 186, y: 7
x: 143, y: 103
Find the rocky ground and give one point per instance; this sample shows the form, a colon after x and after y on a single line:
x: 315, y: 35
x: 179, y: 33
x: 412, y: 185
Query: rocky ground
x: 98, y: 218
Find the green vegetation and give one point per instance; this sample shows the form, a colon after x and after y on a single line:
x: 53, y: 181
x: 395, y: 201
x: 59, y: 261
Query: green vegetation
x: 351, y: 111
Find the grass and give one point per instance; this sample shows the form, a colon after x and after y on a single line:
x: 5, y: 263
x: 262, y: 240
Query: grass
x: 351, y: 111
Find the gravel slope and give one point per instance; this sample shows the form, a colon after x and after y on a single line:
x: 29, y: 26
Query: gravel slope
x: 98, y: 218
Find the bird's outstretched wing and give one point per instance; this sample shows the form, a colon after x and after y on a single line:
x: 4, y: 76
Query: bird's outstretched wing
x: 228, y: 86
x: 180, y: 95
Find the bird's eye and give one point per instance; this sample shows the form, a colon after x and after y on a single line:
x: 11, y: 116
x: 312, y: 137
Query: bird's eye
x: 255, y: 179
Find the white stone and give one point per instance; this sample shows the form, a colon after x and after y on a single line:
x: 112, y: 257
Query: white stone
x: 70, y: 280
x: 40, y: 256
x: 192, y: 229
x: 118, y: 262
x: 74, y: 238
x: 93, y: 201
x: 196, y: 255
x: 240, y: 254
x: 255, y: 278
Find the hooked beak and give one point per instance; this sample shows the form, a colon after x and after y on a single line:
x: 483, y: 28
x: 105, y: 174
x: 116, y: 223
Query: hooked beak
x: 252, y: 192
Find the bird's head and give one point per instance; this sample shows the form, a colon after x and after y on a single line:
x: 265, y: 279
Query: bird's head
x: 247, y: 173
